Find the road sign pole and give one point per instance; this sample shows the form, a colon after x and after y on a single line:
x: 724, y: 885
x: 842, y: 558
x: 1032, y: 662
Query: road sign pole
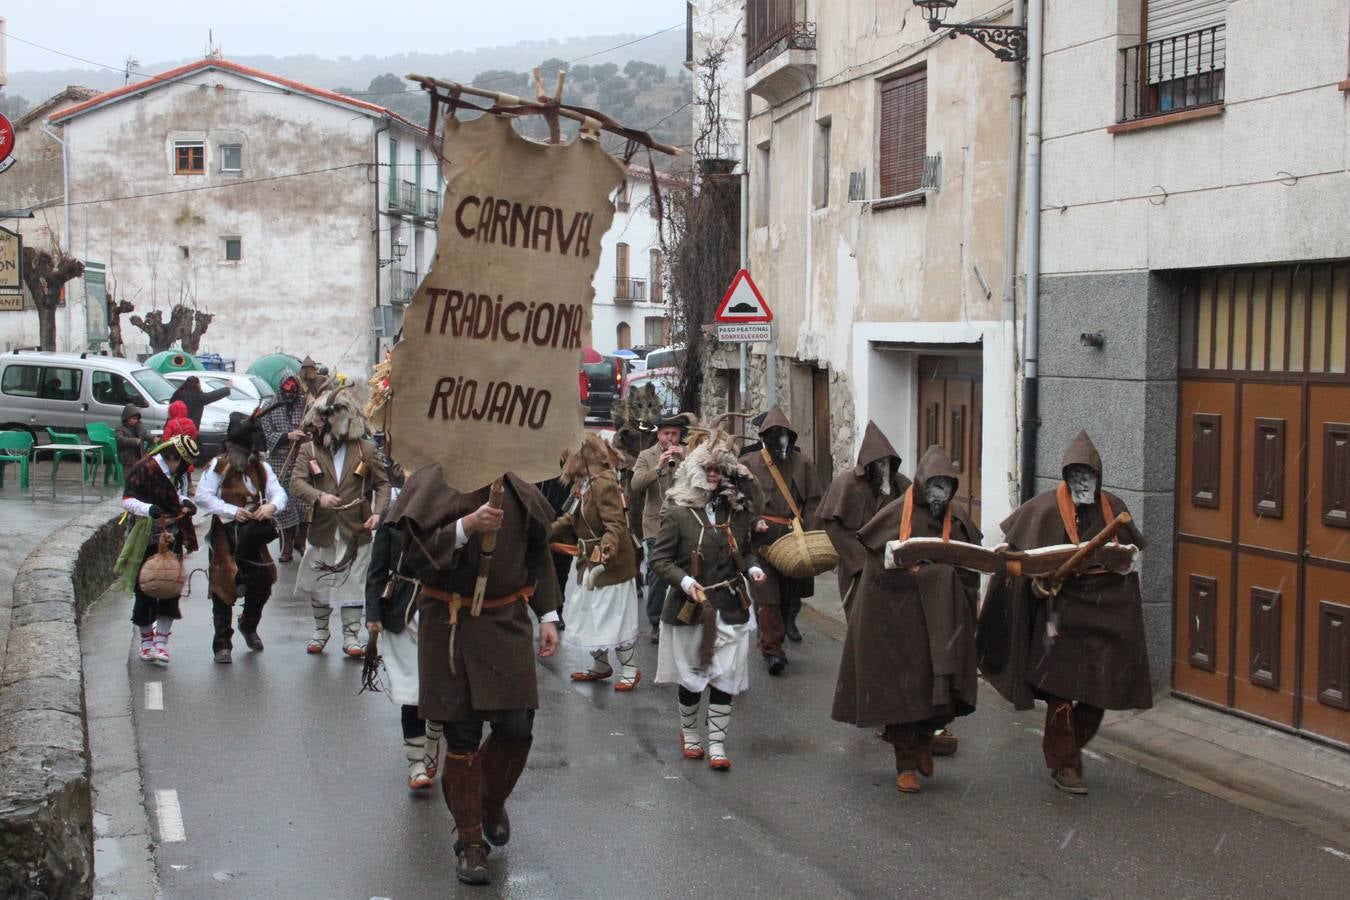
x: 771, y: 369
x: 744, y: 379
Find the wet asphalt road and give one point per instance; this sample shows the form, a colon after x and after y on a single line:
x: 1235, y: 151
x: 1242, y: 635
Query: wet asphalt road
x: 292, y: 786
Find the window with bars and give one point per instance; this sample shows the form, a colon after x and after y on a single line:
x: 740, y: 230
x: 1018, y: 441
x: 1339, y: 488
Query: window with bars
x: 189, y: 158
x: 903, y: 134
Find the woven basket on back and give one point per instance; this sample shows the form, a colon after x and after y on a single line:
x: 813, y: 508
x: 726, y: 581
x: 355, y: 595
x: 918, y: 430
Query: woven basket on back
x: 802, y: 554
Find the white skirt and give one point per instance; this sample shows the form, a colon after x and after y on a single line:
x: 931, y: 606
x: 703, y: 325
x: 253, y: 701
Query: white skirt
x: 398, y: 653
x: 339, y: 588
x: 601, y: 618
x: 677, y: 658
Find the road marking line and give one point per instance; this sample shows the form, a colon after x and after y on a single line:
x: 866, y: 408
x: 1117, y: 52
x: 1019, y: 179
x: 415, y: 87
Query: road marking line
x: 1334, y: 852
x: 154, y: 695
x: 170, y: 816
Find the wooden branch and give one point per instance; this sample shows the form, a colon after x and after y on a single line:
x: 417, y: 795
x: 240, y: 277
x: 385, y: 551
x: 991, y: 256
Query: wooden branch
x: 591, y: 120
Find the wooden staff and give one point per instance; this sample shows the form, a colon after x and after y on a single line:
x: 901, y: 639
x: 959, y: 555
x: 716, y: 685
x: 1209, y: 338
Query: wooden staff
x: 1092, y: 546
x: 488, y: 547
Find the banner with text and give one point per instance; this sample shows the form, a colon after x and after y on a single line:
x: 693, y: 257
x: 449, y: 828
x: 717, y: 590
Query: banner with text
x: 485, y: 378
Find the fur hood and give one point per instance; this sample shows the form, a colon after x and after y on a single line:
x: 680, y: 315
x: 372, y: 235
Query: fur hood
x: 345, y: 419
x: 691, y: 487
x: 593, y: 457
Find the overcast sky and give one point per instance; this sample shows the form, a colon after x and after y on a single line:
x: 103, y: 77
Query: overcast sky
x: 155, y: 30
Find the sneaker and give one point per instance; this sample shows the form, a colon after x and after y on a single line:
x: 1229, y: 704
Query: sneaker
x: 147, y: 650
x: 223, y: 656
x: 161, y: 653
x: 1068, y: 779
x: 472, y: 867
x: 944, y: 743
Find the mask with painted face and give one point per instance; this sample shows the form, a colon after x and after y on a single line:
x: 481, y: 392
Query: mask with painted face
x: 1083, y: 484
x: 938, y: 493
x: 881, y: 476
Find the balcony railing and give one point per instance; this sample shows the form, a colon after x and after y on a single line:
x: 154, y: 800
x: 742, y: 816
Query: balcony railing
x: 1175, y: 73
x: 630, y: 289
x: 431, y: 205
x: 774, y: 26
x: 404, y: 197
x: 404, y: 283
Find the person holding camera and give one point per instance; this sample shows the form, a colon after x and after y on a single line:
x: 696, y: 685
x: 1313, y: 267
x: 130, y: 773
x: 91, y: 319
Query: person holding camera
x: 243, y: 496
x: 653, y: 476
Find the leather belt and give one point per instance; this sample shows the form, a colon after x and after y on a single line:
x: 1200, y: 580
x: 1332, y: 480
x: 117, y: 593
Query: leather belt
x: 457, y: 601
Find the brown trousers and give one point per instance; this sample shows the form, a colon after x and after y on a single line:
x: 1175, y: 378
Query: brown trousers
x: 1068, y: 728
x: 913, y: 742
x: 772, y: 629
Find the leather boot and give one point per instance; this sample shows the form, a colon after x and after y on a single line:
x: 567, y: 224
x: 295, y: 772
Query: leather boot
x: 301, y: 537
x: 502, y: 762
x: 287, y: 544
x: 462, y: 787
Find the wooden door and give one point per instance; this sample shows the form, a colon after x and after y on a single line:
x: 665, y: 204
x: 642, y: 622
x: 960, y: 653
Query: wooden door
x: 950, y: 416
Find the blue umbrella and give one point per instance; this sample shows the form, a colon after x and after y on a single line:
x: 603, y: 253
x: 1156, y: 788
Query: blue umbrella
x: 625, y: 354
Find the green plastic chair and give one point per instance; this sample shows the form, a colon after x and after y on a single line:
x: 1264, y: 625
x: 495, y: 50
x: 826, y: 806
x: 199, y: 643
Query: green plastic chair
x: 15, y: 447
x: 59, y: 437
x: 103, y: 434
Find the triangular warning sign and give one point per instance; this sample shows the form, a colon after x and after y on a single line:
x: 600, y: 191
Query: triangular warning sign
x: 743, y: 302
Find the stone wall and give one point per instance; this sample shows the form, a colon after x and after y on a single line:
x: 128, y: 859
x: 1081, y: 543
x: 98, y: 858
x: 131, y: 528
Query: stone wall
x: 46, y: 811
x: 1133, y: 377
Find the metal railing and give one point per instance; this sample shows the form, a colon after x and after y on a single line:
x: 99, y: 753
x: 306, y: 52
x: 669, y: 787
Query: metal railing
x: 431, y: 205
x: 1181, y: 72
x: 403, y: 198
x: 773, y: 26
x: 402, y: 286
x: 630, y: 288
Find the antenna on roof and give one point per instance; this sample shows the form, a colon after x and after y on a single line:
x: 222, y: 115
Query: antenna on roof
x: 132, y: 64
x: 212, y: 51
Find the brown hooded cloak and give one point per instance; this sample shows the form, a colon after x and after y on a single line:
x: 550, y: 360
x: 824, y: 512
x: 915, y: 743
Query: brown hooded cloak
x: 493, y: 652
x: 850, y: 502
x: 910, y: 651
x: 1100, y: 654
x: 800, y: 476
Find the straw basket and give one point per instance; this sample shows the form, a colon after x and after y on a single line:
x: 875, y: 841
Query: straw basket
x: 162, y: 575
x: 802, y: 554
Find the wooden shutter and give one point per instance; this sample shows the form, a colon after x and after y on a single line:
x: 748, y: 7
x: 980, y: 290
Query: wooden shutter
x: 621, y: 260
x: 904, y: 133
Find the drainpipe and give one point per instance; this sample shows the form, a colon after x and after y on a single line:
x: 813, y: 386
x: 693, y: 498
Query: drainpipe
x: 1012, y: 194
x: 65, y: 202
x: 375, y: 353
x: 1031, y: 331
x: 745, y: 229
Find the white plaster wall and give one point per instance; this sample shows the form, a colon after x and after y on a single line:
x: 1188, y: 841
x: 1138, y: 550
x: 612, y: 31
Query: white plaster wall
x: 638, y: 230
x: 1266, y: 181
x: 719, y: 25
x: 306, y: 280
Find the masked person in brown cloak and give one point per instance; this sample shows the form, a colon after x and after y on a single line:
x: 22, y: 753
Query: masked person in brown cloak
x: 479, y: 668
x: 1079, y: 644
x: 243, y: 496
x: 703, y: 555
x: 909, y: 657
x: 342, y: 476
x: 788, y: 479
x: 851, y: 501
x: 602, y: 601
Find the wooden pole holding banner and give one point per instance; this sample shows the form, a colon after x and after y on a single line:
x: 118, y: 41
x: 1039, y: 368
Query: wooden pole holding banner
x: 489, y: 546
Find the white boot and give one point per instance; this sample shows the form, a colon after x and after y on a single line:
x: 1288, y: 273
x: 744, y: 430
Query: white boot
x: 321, y: 613
x: 629, y: 674
x: 147, y: 643
x: 163, y: 628
x: 691, y: 742
x: 351, y: 631
x: 719, y: 719
x: 431, y: 758
x: 414, y: 750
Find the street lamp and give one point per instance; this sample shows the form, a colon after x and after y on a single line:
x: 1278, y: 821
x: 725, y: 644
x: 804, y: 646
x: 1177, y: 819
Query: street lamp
x: 397, y: 251
x: 1007, y: 42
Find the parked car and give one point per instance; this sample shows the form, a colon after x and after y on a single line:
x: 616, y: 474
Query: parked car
x: 67, y: 391
x: 671, y: 357
x: 664, y: 381
x: 604, y: 380
x: 247, y: 392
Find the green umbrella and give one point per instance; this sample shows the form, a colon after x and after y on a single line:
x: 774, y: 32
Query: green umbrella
x: 174, y: 361
x: 273, y: 366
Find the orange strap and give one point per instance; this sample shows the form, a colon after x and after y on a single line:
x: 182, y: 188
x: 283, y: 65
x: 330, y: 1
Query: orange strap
x: 777, y: 520
x: 907, y: 517
x: 456, y: 600
x: 1068, y: 516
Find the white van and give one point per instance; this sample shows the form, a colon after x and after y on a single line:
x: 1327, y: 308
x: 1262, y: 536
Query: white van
x: 67, y: 391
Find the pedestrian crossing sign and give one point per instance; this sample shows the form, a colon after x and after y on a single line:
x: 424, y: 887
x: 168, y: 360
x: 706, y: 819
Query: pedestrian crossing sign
x: 743, y: 302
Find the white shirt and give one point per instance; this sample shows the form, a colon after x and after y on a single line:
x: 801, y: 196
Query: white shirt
x: 208, y: 497
x: 339, y: 459
x: 140, y: 507
x: 687, y: 582
x: 462, y: 538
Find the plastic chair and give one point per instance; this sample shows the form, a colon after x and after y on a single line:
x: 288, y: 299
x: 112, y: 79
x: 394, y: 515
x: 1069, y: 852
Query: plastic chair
x: 15, y: 447
x: 103, y: 434
x: 58, y: 455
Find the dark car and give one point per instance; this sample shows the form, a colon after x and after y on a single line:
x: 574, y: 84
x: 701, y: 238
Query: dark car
x: 604, y: 383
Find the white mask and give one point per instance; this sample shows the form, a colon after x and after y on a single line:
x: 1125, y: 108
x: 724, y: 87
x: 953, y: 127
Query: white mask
x: 1083, y: 484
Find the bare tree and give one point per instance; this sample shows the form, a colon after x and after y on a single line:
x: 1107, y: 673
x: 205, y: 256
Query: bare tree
x: 184, y: 327
x: 45, y: 273
x: 116, y: 310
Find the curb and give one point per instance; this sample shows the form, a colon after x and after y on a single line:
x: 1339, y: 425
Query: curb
x: 46, y: 804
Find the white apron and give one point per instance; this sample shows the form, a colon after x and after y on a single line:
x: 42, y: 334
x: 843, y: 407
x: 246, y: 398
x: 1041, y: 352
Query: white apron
x: 601, y: 618
x: 677, y: 657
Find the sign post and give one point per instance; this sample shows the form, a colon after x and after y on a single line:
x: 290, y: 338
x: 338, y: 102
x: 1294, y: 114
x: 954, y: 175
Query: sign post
x: 6, y: 143
x: 744, y: 318
x: 11, y: 258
